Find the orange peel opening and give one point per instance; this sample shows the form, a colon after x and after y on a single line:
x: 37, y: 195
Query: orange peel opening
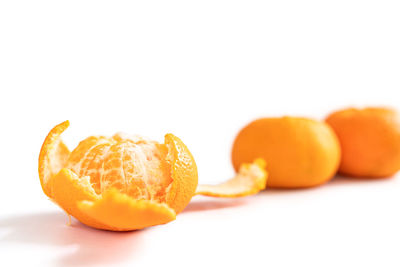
x: 127, y: 182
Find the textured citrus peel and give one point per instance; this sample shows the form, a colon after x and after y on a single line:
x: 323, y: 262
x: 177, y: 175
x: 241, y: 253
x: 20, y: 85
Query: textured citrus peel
x: 111, y: 209
x: 250, y: 179
x: 182, y: 165
x: 53, y: 155
x: 69, y: 190
x: 125, y: 213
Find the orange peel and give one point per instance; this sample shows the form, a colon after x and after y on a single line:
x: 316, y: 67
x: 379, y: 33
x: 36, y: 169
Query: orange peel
x: 127, y: 182
x: 250, y: 179
x: 125, y: 213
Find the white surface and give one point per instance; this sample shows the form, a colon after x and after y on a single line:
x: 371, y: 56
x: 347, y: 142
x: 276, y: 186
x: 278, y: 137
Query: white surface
x: 200, y: 70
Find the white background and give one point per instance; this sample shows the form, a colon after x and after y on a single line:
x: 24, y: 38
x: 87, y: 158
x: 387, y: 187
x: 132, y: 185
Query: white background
x: 201, y: 70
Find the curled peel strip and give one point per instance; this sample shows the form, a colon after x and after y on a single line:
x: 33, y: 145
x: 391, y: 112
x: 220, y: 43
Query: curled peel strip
x: 250, y: 179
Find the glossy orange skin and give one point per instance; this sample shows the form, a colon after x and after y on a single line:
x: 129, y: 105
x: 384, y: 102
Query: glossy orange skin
x: 370, y: 141
x: 299, y: 152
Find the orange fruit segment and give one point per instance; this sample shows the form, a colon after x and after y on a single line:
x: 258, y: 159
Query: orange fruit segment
x: 127, y: 182
x: 250, y: 179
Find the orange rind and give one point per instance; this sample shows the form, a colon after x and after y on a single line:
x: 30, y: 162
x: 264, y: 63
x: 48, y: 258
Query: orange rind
x: 127, y: 182
x: 53, y: 155
x: 250, y: 179
x: 125, y: 213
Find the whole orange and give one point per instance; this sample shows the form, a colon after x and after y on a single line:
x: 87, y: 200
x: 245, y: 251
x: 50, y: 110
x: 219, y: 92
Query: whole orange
x: 299, y: 152
x: 370, y: 141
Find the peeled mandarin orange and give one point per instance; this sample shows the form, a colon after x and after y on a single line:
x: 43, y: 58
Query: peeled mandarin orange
x: 300, y: 152
x: 127, y: 182
x: 370, y: 141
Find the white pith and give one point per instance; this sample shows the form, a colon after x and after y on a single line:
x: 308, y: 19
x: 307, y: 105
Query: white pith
x: 139, y: 161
